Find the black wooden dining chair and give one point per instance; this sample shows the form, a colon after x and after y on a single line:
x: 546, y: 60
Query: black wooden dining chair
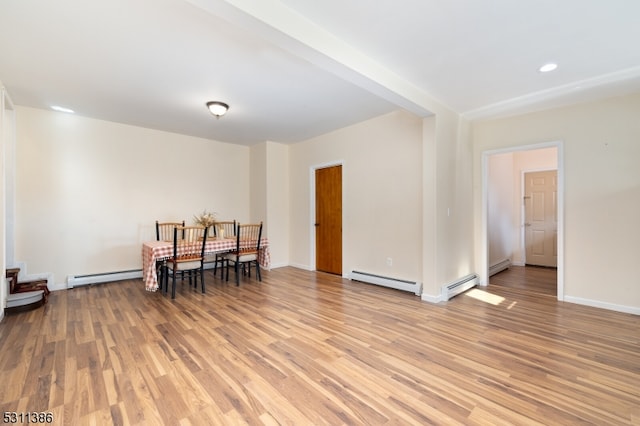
x: 188, y: 256
x: 220, y: 229
x: 246, y: 252
x: 164, y: 232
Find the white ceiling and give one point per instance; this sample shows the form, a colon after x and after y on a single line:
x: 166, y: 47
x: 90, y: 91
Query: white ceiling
x: 294, y: 69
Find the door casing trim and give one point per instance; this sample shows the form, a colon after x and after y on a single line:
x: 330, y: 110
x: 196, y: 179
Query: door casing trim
x: 483, y: 268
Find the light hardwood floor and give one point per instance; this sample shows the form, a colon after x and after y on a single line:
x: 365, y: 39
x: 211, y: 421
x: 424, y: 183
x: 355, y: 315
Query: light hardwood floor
x: 532, y: 279
x: 305, y: 348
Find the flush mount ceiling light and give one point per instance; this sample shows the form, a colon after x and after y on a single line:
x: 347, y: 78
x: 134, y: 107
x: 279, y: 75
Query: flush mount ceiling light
x: 217, y: 108
x: 548, y: 67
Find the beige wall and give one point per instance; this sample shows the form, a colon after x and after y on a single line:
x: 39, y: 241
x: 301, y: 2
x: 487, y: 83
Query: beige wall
x: 407, y: 196
x: 258, y: 184
x: 382, y: 195
x: 601, y: 152
x: 278, y: 202
x: 270, y: 197
x: 89, y: 191
x: 447, y: 202
x: 501, y: 211
x: 453, y: 202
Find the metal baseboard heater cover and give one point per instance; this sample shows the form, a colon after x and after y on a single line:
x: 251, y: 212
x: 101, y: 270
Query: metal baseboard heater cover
x: 459, y: 286
x: 79, y: 280
x: 499, y: 267
x: 398, y: 284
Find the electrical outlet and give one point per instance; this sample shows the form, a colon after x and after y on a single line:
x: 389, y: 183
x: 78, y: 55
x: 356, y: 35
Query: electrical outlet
x: 389, y: 261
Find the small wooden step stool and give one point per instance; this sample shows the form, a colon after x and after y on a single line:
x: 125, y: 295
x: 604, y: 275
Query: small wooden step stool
x: 26, y: 295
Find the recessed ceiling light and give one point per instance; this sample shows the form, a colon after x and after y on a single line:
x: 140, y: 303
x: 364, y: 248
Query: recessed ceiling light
x: 62, y: 109
x: 548, y: 67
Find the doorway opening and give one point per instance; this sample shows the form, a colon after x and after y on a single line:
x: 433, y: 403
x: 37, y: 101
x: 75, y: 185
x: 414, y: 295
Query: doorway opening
x: 504, y: 223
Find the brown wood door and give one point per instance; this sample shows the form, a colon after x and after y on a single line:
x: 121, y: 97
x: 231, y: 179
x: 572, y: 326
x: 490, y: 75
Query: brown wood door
x: 329, y: 220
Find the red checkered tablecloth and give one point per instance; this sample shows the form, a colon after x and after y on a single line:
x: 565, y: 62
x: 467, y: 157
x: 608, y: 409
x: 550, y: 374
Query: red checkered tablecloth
x: 153, y: 251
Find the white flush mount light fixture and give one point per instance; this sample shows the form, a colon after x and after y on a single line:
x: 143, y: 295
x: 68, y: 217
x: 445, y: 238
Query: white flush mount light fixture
x: 548, y: 67
x: 217, y: 108
x: 62, y: 109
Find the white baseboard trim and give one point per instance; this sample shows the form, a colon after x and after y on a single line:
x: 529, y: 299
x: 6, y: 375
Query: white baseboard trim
x: 432, y: 299
x: 57, y: 286
x: 603, y: 305
x: 300, y: 266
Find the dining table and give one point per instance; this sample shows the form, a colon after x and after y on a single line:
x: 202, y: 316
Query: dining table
x: 154, y: 251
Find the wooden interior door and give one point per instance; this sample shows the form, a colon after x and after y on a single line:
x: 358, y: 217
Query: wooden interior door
x: 328, y: 221
x: 541, y: 218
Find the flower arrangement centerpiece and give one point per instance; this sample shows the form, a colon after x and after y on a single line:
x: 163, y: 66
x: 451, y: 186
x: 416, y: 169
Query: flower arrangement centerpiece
x: 205, y: 218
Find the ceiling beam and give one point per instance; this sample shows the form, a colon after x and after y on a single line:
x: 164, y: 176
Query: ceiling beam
x: 282, y: 26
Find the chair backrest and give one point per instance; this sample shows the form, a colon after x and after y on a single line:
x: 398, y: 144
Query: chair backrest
x: 248, y: 237
x: 229, y: 228
x: 189, y: 242
x: 164, y: 230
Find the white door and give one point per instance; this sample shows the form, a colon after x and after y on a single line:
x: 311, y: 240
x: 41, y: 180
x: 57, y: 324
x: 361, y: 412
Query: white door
x: 541, y: 218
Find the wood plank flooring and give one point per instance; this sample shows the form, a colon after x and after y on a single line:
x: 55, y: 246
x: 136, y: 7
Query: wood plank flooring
x: 305, y: 348
x: 533, y: 279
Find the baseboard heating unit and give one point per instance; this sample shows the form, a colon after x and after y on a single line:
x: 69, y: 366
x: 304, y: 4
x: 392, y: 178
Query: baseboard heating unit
x: 79, y: 280
x: 499, y: 267
x: 398, y: 284
x: 459, y: 286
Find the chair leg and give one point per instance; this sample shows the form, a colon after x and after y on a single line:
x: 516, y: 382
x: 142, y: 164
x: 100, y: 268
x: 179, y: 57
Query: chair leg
x: 215, y: 266
x: 202, y: 278
x: 165, y: 278
x: 223, y: 262
x: 258, y: 271
x: 173, y: 285
x: 237, y: 273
